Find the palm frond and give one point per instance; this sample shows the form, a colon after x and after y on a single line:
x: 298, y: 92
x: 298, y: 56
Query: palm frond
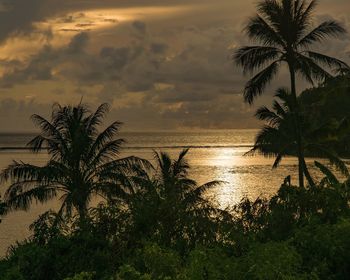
x: 272, y: 11
x: 19, y: 171
x: 180, y: 166
x: 49, y: 135
x: 106, y: 153
x: 278, y: 160
x: 304, y: 14
x: 331, y: 62
x: 283, y: 150
x: 280, y: 109
x: 310, y: 70
x: 265, y: 142
x: 257, y: 84
x: 164, y: 164
x: 22, y: 200
x: 265, y: 114
x: 105, y: 136
x: 320, y: 33
x: 200, y: 190
x: 329, y: 174
x: 331, y: 156
x: 96, y: 118
x: 255, y: 57
x: 259, y: 30
x: 124, y: 166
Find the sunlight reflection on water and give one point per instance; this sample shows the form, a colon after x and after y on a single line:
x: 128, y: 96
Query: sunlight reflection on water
x: 244, y: 176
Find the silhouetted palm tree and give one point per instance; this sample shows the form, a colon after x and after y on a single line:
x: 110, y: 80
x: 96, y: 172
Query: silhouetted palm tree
x: 284, y: 30
x: 172, y: 204
x: 173, y: 182
x: 83, y: 162
x: 279, y: 137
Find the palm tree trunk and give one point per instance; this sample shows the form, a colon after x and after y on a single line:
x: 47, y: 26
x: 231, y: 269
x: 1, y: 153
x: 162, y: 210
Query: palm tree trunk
x: 300, y: 152
x: 301, y: 158
x: 82, y: 211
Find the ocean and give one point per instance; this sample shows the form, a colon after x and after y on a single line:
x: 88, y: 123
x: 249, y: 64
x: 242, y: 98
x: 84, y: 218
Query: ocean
x: 213, y: 155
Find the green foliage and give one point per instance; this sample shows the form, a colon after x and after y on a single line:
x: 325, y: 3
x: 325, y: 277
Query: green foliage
x: 170, y: 208
x: 291, y: 208
x: 208, y: 263
x: 127, y: 272
x: 82, y: 276
x: 47, y: 226
x: 12, y: 274
x: 156, y: 224
x: 61, y: 257
x: 154, y: 262
x: 328, y: 105
x: 297, y: 234
x: 325, y: 249
x: 279, y: 136
x: 269, y: 261
x: 29, y: 261
x: 160, y: 262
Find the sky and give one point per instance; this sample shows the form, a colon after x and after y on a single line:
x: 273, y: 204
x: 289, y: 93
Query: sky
x: 161, y: 64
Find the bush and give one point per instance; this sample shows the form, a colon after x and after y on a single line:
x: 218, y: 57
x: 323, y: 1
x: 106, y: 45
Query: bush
x: 325, y: 249
x: 82, y: 276
x: 204, y: 263
x: 127, y: 272
x: 273, y: 260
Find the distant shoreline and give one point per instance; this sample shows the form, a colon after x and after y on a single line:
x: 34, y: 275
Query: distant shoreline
x: 154, y: 147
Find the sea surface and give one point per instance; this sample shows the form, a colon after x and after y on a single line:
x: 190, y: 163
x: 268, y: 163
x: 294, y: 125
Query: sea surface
x: 213, y: 155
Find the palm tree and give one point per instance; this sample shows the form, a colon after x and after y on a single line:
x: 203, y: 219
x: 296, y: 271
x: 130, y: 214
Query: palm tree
x: 279, y: 138
x: 284, y: 30
x: 83, y: 162
x: 172, y: 204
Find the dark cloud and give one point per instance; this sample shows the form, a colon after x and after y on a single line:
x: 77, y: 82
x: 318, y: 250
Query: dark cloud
x: 159, y: 73
x: 115, y: 58
x: 159, y: 48
x: 78, y: 43
x: 139, y: 26
x: 38, y: 68
x: 17, y: 17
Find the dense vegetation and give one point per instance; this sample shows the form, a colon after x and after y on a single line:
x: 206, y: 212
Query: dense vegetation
x: 328, y: 107
x: 154, y: 222
x: 298, y: 234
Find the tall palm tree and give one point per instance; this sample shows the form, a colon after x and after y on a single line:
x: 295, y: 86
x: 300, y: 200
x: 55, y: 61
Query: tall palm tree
x: 279, y: 138
x: 170, y: 203
x: 83, y: 162
x: 283, y: 29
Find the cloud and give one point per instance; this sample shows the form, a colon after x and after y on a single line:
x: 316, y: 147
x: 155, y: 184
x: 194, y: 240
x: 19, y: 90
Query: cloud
x: 139, y: 26
x: 17, y: 17
x: 158, y: 72
x: 115, y: 58
x: 78, y: 43
x: 159, y: 48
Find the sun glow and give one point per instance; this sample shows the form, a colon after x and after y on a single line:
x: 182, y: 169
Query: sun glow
x: 92, y: 20
x: 57, y: 31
